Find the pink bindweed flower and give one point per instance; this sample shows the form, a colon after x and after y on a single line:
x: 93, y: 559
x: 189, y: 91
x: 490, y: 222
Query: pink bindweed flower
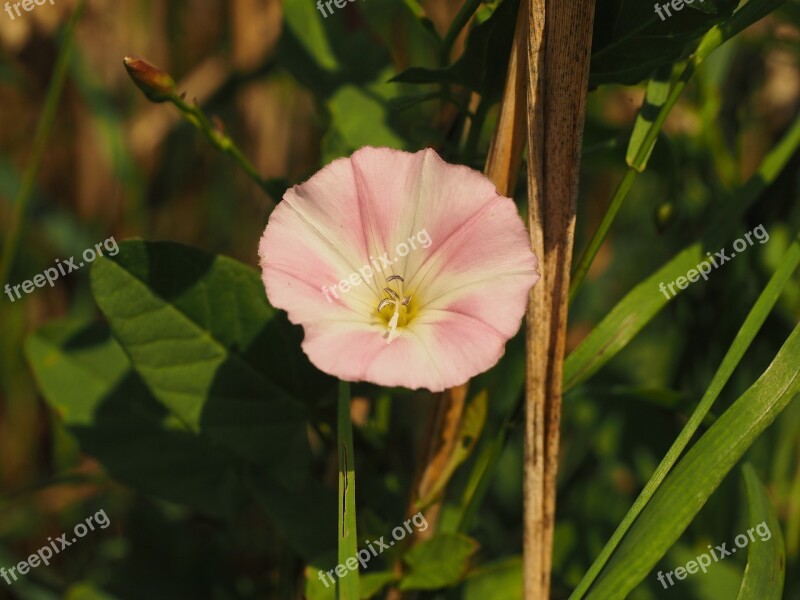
x: 402, y: 269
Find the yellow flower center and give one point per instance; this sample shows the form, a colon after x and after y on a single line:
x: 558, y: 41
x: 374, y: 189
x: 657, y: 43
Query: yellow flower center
x: 396, y: 309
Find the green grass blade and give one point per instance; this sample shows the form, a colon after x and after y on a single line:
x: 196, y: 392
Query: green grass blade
x: 766, y: 558
x: 43, y: 128
x: 346, y: 586
x: 687, y: 488
x: 644, y: 302
x: 752, y: 324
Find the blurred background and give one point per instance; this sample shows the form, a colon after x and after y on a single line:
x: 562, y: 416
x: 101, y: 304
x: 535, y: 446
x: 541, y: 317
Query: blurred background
x: 296, y: 90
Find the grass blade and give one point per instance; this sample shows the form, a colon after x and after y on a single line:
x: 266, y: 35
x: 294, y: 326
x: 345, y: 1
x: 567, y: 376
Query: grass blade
x: 698, y: 474
x: 766, y: 559
x: 752, y: 324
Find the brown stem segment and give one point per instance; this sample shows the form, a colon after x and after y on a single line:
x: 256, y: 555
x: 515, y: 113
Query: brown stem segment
x: 502, y: 167
x: 559, y: 47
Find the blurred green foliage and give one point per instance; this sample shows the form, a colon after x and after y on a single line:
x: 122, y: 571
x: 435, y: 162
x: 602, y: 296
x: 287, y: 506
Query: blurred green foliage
x: 169, y: 393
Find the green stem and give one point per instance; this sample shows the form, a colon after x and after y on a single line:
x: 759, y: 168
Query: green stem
x: 625, y: 185
x: 224, y: 144
x: 752, y: 324
x: 346, y: 586
x: 597, y: 239
x: 43, y: 128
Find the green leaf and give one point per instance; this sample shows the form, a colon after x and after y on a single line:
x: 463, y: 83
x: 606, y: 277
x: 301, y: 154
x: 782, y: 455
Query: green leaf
x: 626, y: 319
x: 631, y: 41
x: 483, y: 64
x: 347, y: 588
x: 750, y: 12
x: 372, y: 583
x: 303, y: 21
x: 766, y: 557
x: 468, y: 434
x: 642, y: 303
x: 357, y: 119
x: 656, y: 96
x: 745, y: 336
x: 687, y: 488
x: 87, y: 379
x: 87, y: 591
x: 200, y: 333
x: 438, y: 562
x: 500, y: 580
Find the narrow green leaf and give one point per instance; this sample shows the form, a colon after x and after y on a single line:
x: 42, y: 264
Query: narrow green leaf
x: 346, y: 587
x: 644, y: 302
x: 687, y: 488
x: 655, y: 97
x: 483, y: 64
x: 747, y: 14
x: 766, y: 556
x: 752, y: 324
x: 438, y: 562
x: 626, y: 319
x: 468, y: 434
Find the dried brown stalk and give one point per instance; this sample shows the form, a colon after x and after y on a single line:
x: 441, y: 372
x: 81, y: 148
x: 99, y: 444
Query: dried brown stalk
x: 559, y: 45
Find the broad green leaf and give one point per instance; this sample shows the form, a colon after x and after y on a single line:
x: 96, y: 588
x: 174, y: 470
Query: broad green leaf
x: 468, y: 433
x: 322, y: 49
x: 199, y: 331
x: 372, y: 583
x: 87, y: 379
x: 357, y: 119
x: 766, y: 554
x: 687, y: 488
x: 438, y: 562
x: 483, y: 64
x: 307, y: 25
x: 500, y: 580
x: 631, y: 41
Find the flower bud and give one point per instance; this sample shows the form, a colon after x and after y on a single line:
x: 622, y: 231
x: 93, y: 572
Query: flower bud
x: 157, y: 85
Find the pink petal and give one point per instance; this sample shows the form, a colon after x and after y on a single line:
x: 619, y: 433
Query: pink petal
x: 469, y: 285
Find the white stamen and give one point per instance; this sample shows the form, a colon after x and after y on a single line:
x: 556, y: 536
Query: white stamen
x: 393, y: 326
